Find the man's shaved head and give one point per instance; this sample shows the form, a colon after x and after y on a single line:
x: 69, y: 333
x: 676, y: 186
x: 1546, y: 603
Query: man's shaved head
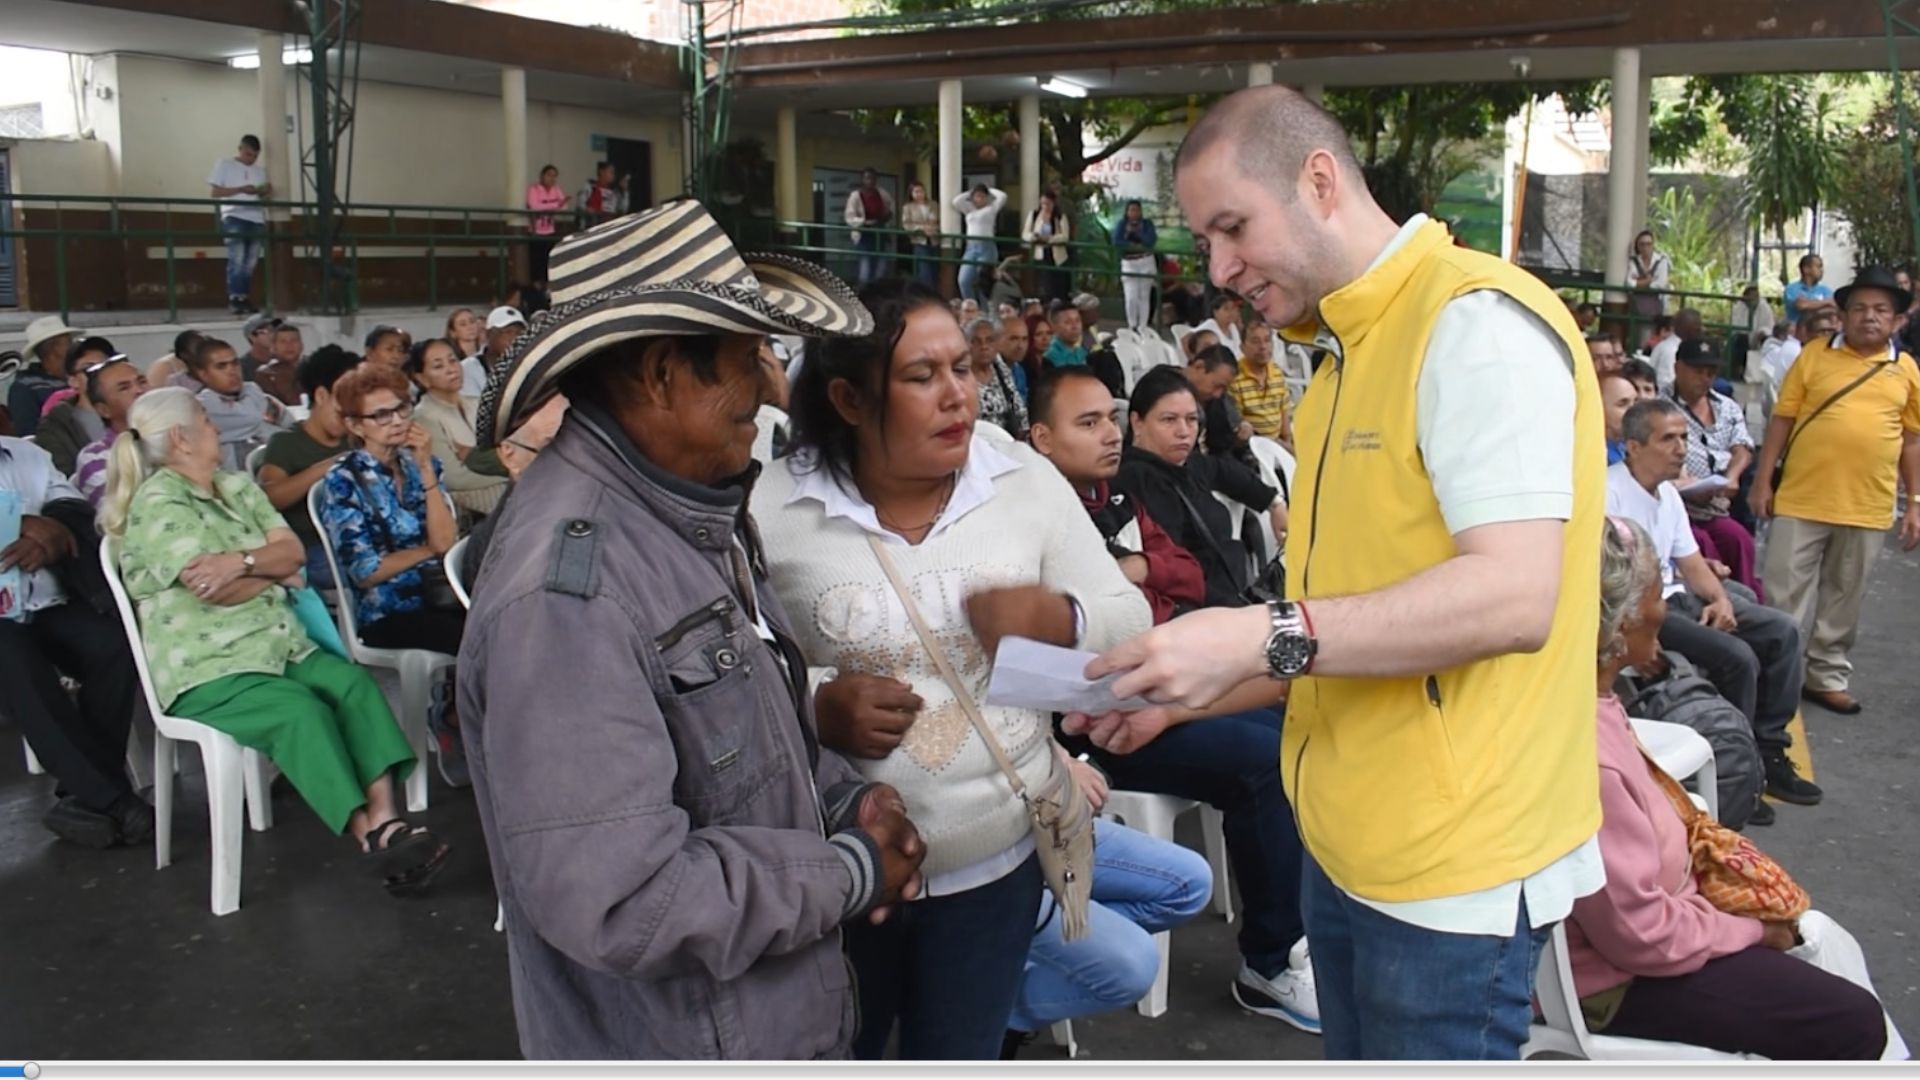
x: 1269, y: 180
x: 1271, y: 130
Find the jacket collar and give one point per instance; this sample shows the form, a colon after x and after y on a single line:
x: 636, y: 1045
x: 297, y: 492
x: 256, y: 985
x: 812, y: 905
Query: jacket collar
x: 704, y: 516
x: 1347, y: 313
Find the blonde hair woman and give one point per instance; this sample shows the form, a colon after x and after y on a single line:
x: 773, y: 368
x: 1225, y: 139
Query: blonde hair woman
x: 467, y: 332
x: 206, y: 560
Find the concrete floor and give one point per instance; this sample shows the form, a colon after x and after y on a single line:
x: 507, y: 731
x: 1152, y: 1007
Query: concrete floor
x: 106, y: 958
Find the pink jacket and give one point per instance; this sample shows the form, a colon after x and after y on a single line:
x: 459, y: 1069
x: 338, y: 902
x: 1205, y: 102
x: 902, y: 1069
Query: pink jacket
x: 1650, y: 919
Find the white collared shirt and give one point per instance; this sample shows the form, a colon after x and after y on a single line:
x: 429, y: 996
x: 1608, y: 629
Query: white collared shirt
x: 28, y: 472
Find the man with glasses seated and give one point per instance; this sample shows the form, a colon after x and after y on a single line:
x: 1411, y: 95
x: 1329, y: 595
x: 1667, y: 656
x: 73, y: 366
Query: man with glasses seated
x: 111, y: 386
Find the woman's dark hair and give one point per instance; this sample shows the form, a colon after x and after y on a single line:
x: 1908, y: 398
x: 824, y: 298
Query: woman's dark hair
x: 183, y: 343
x: 1635, y: 246
x: 864, y: 362
x: 1213, y: 358
x: 381, y: 333
x: 545, y: 169
x: 1156, y: 384
x: 417, y: 356
x: 87, y: 347
x: 1036, y: 360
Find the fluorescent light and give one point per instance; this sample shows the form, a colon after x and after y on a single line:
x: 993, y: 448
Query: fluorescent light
x: 250, y: 61
x: 1063, y: 88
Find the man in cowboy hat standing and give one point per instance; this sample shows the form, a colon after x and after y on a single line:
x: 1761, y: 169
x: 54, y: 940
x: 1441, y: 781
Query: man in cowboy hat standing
x: 1847, y: 425
x: 673, y: 849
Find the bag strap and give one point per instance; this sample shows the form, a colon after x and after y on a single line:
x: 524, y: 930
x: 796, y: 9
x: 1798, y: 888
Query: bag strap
x: 1676, y: 794
x: 1844, y: 391
x: 960, y: 693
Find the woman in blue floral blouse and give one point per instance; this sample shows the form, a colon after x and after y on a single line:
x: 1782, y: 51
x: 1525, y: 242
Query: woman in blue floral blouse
x: 388, y: 520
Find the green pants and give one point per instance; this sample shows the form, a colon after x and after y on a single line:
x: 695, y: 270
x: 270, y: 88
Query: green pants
x: 324, y: 722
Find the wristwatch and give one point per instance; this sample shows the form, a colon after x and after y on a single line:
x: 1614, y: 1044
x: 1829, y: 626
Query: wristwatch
x: 1291, y: 647
x: 246, y: 560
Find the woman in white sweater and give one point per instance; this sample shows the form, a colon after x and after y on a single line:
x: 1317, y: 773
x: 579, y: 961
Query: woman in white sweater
x: 434, y: 366
x: 992, y: 543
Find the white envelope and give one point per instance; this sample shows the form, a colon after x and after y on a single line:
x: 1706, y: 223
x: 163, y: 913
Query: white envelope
x: 1028, y: 674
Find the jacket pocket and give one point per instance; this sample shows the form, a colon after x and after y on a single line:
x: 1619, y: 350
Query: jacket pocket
x: 717, y: 718
x: 1439, y: 738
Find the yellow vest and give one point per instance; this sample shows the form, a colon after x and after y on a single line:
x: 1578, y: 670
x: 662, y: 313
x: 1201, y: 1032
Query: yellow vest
x: 1425, y: 787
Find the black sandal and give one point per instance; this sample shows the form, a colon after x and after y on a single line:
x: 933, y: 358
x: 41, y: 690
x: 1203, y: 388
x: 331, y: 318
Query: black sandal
x: 404, y: 855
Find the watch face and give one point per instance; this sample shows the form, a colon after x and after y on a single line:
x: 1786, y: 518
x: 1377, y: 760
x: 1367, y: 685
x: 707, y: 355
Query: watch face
x: 1288, y: 654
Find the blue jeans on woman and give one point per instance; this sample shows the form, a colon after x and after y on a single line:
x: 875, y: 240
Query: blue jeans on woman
x: 1390, y: 990
x: 1231, y: 764
x: 1141, y: 886
x: 245, y: 241
x: 947, y: 968
x: 981, y: 253
x: 924, y: 266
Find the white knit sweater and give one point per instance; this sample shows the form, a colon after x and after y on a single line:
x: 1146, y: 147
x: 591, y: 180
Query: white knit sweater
x: 1032, y: 531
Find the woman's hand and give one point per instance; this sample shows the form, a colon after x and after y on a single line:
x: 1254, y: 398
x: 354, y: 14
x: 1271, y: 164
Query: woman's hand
x: 1093, y: 784
x: 420, y: 444
x: 865, y: 715
x: 1028, y: 611
x: 1779, y: 936
x: 208, y: 574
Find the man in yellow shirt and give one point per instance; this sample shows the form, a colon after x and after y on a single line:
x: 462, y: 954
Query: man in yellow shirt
x: 1849, y: 411
x: 1260, y: 389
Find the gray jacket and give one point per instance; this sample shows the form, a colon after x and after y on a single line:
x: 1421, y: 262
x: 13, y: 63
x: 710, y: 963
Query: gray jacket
x: 648, y: 774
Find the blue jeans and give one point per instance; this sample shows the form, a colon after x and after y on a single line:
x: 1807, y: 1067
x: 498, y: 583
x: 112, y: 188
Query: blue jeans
x: 1233, y: 764
x: 245, y: 242
x: 980, y: 254
x: 872, y: 264
x: 947, y: 968
x: 1141, y: 886
x: 1390, y: 990
x: 924, y: 266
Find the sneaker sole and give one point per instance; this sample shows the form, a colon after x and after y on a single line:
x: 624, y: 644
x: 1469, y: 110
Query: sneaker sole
x: 1277, y: 1012
x: 1797, y: 800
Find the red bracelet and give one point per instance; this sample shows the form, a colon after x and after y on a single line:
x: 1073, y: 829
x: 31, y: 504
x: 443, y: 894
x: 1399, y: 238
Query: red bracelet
x: 1308, y: 620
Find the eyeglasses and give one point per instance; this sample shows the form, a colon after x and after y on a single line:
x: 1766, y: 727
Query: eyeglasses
x: 93, y: 368
x: 402, y: 411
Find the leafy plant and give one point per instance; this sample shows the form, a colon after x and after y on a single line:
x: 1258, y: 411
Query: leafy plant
x: 1871, y: 191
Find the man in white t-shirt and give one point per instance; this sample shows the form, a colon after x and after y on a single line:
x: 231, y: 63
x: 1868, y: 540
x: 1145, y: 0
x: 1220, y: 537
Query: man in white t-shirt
x: 1686, y: 327
x: 1750, y: 652
x: 240, y: 182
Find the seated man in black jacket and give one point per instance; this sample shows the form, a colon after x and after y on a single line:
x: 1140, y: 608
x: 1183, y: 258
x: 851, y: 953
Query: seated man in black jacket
x: 69, y: 627
x: 1162, y: 473
x: 1223, y: 431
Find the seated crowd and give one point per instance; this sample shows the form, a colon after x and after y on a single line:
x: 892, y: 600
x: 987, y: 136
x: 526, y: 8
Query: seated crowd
x: 792, y: 596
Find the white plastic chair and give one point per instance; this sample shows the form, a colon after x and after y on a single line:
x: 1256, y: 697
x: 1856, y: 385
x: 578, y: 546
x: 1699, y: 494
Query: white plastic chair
x: 256, y: 457
x: 1155, y: 815
x: 34, y: 768
x: 1685, y: 755
x: 1133, y: 359
x: 417, y: 667
x: 234, y: 774
x: 455, y: 557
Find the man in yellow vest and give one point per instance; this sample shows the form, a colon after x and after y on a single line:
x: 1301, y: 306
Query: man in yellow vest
x: 1443, y: 573
x: 1849, y: 408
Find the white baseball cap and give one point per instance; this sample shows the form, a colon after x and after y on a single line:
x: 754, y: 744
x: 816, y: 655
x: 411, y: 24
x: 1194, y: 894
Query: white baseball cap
x: 505, y: 316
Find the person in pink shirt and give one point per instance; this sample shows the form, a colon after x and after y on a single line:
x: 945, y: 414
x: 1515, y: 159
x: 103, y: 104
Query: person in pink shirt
x: 544, y: 196
x: 1652, y: 958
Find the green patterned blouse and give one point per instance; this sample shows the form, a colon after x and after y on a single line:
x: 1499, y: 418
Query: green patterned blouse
x: 191, y: 642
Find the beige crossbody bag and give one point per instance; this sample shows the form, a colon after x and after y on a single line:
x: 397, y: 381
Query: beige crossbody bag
x: 1059, y: 814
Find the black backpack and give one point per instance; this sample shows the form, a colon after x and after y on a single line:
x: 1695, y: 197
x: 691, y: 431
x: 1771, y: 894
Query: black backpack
x: 1686, y: 697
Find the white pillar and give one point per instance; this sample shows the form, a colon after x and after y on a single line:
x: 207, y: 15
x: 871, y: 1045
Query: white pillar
x: 1029, y: 153
x: 950, y: 150
x: 786, y: 165
x: 1259, y: 74
x: 276, y: 144
x: 1622, y: 220
x: 1315, y: 92
x: 513, y: 129
x: 1642, y: 152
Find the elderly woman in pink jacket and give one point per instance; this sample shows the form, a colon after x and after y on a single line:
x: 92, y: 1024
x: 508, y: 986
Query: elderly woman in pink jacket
x: 1652, y: 958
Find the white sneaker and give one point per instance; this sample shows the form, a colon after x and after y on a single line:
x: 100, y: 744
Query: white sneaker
x: 1288, y: 996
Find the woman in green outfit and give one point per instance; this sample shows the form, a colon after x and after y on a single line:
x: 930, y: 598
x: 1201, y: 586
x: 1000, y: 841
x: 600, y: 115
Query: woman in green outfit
x: 205, y: 558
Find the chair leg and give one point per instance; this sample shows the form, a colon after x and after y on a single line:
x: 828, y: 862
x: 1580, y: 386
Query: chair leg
x: 138, y: 736
x: 1155, y: 1003
x: 500, y: 918
x: 1213, y: 829
x: 34, y: 768
x: 164, y: 752
x: 416, y: 695
x: 224, y: 798
x: 258, y: 789
x: 1063, y: 1037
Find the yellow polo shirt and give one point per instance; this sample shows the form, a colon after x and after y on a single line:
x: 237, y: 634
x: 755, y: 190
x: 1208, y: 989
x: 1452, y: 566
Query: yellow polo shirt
x: 1843, y: 468
x: 1266, y: 408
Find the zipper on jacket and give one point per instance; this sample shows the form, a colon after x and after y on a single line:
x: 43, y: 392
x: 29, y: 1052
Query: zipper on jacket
x: 721, y: 609
x: 1320, y: 467
x: 1433, y: 690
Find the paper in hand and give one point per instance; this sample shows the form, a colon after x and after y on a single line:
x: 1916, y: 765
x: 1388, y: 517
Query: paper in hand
x: 1028, y: 674
x: 1704, y: 485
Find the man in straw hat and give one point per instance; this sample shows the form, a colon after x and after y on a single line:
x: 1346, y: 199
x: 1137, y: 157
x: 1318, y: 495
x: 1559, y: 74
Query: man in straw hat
x: 674, y: 851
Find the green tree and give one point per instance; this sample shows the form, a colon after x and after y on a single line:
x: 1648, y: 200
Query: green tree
x: 1871, y: 191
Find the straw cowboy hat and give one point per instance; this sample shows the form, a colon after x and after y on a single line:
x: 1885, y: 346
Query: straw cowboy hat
x: 668, y: 271
x: 44, y: 329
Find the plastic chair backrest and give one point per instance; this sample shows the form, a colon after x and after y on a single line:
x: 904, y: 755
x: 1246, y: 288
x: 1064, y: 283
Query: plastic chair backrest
x: 457, y: 555
x: 1553, y: 989
x: 256, y: 457
x: 349, y: 597
x: 110, y: 547
x: 1272, y: 455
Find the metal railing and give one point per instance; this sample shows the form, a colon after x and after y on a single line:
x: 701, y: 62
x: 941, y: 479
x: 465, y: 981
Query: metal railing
x: 1716, y: 310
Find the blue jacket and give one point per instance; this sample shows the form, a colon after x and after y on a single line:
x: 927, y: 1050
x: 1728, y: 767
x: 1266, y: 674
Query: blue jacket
x: 1147, y: 237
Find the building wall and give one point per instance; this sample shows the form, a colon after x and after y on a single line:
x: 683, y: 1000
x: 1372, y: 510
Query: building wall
x: 59, y: 166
